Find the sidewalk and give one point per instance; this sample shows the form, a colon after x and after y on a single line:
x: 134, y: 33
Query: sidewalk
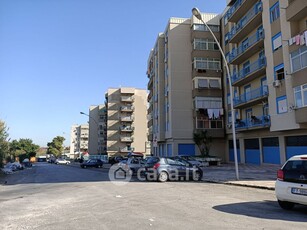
x: 256, y: 176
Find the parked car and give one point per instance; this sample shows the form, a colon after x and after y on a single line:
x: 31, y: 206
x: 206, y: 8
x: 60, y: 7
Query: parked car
x: 194, y: 161
x: 167, y: 168
x: 62, y: 161
x: 132, y: 165
x: 115, y: 159
x: 97, y: 163
x: 291, y: 183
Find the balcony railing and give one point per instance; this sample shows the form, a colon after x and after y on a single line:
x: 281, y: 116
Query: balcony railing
x: 206, y: 123
x: 127, y: 118
x: 126, y: 139
x: 127, y: 108
x: 127, y: 98
x: 253, y: 122
x: 247, y: 70
x: 245, y: 19
x: 126, y: 128
x: 234, y: 8
x: 243, y: 47
x: 126, y: 149
x: 252, y: 95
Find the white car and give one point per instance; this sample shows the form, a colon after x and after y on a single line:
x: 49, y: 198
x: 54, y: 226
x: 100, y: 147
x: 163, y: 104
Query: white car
x: 291, y: 183
x: 62, y: 161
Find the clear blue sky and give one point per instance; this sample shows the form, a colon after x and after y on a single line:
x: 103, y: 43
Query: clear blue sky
x: 58, y: 57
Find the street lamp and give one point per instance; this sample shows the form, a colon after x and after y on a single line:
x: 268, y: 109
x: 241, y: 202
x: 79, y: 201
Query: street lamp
x: 198, y: 15
x: 99, y: 151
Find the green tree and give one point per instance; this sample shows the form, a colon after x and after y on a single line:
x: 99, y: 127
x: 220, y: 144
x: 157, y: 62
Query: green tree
x: 203, y: 142
x: 24, y: 148
x: 4, y: 144
x: 56, y: 146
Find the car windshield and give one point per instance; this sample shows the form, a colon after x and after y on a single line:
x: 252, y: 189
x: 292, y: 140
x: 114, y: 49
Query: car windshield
x: 296, y: 165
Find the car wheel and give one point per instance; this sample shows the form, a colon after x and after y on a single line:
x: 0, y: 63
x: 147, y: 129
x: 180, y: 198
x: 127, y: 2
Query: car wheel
x: 196, y: 176
x: 286, y: 205
x: 163, y: 177
x: 67, y: 163
x: 84, y: 166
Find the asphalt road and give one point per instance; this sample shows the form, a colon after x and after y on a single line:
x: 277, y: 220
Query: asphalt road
x: 66, y: 197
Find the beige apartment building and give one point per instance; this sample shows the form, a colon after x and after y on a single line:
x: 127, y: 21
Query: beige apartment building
x: 185, y: 87
x: 97, y: 129
x: 265, y: 45
x: 79, y: 137
x: 126, y: 121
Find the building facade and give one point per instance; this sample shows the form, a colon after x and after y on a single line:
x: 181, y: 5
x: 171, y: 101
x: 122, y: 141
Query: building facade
x: 79, y: 137
x: 185, y: 88
x: 97, y: 129
x: 264, y: 42
x: 126, y: 121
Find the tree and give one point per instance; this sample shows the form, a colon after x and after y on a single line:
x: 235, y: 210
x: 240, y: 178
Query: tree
x: 4, y: 144
x: 203, y: 142
x: 24, y: 148
x: 56, y: 146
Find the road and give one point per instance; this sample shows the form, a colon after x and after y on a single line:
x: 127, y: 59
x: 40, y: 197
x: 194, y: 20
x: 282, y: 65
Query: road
x: 52, y: 196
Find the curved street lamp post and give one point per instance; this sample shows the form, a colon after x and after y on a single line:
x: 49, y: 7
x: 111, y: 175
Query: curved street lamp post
x: 198, y: 15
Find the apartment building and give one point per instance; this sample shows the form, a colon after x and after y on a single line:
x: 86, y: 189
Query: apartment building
x: 126, y: 116
x: 265, y: 45
x: 185, y: 87
x: 97, y: 129
x: 79, y: 136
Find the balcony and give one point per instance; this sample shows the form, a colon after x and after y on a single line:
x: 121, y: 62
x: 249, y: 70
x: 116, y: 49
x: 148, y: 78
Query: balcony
x: 127, y: 118
x: 239, y: 8
x: 255, y: 122
x: 126, y: 139
x: 251, y: 46
x: 126, y: 149
x: 127, y: 108
x: 127, y: 129
x: 296, y: 10
x: 247, y: 24
x: 249, y: 73
x: 127, y: 98
x: 251, y: 98
x: 300, y: 115
x: 214, y: 126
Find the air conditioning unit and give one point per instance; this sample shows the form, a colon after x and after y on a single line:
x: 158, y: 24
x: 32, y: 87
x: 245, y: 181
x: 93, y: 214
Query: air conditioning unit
x: 276, y: 83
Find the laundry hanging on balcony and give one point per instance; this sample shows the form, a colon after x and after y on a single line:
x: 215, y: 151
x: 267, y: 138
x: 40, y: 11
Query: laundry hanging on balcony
x: 214, y: 113
x: 299, y: 39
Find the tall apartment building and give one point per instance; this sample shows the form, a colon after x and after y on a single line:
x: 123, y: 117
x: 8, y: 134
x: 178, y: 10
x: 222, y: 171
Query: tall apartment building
x: 79, y: 136
x: 97, y: 129
x: 126, y: 121
x: 264, y: 42
x: 185, y: 87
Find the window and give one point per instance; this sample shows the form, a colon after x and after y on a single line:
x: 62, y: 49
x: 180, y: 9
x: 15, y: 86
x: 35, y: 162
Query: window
x: 245, y: 44
x: 205, y: 44
x: 276, y: 41
x: 282, y: 106
x: 246, y: 68
x: 299, y: 59
x: 279, y: 72
x: 202, y: 27
x: 208, y: 103
x: 203, y: 83
x: 300, y: 96
x: 274, y: 12
x: 207, y: 63
x: 214, y: 83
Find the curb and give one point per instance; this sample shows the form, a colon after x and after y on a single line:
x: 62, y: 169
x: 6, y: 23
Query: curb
x: 242, y: 185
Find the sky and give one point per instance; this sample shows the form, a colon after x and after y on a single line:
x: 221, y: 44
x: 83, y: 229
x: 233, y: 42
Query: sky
x: 59, y: 57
